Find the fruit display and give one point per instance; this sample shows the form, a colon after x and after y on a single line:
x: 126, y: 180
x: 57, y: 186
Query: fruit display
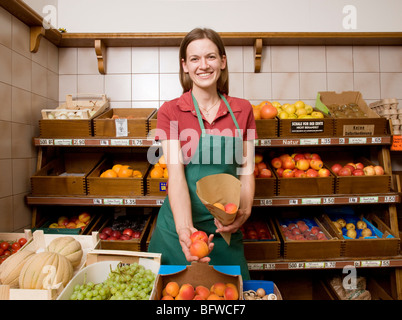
x: 199, y: 244
x: 10, y: 269
x: 126, y: 227
x: 297, y: 110
x: 348, y: 110
x: 121, y: 171
x: 68, y: 247
x: 258, y: 294
x: 159, y: 170
x: 125, y: 282
x: 9, y: 248
x: 261, y: 170
x: 354, y: 228
x: 77, y: 221
x: 357, y: 169
x: 299, y: 165
x: 302, y: 229
x: 264, y: 110
x: 256, y: 230
x: 186, y: 291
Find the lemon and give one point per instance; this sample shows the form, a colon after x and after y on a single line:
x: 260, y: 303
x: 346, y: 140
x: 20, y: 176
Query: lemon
x: 317, y: 114
x: 308, y: 108
x: 292, y: 116
x: 299, y: 104
x: 283, y: 115
x: 301, y: 111
x: 276, y: 104
x: 290, y: 109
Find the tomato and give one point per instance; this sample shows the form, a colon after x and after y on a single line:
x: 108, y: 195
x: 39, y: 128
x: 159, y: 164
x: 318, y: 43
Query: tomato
x: 2, y: 259
x: 4, y: 245
x: 1, y: 251
x: 7, y: 253
x: 22, y: 241
x: 15, y: 246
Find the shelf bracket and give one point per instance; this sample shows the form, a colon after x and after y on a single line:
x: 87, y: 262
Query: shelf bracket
x: 257, y: 55
x: 100, y: 50
x: 37, y: 33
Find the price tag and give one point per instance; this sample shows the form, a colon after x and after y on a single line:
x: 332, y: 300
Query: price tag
x: 137, y: 142
x: 353, y: 200
x: 46, y: 142
x: 330, y: 265
x: 311, y: 201
x: 265, y: 142
x: 326, y: 141
x: 368, y: 199
x: 385, y: 263
x: 357, y: 140
x: 296, y: 265
x: 371, y: 263
x: 328, y: 200
x: 266, y: 202
x: 63, y: 142
x: 79, y: 142
x: 308, y: 142
x: 396, y: 143
x: 121, y: 127
x: 120, y: 142
x: 315, y: 265
x: 389, y: 199
x: 130, y: 202
x: 293, y: 201
x: 159, y: 202
x: 269, y: 266
x: 156, y: 143
x: 255, y: 266
x: 341, y: 140
x: 376, y: 140
x: 113, y: 202
x: 97, y: 201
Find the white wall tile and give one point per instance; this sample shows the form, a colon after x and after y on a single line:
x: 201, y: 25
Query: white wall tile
x: 68, y: 61
x: 145, y: 87
x: 311, y: 83
x: 5, y: 64
x: 41, y: 56
x: 236, y: 85
x: 21, y: 106
x: 235, y: 58
x: 67, y: 85
x: 285, y: 58
x: 391, y: 85
x: 91, y: 84
x: 5, y: 28
x: 5, y: 94
x: 39, y: 79
x: 342, y: 81
x: 312, y: 59
x: 368, y: 84
x: 366, y: 59
x: 145, y: 60
x: 170, y: 87
x: 169, y: 60
x: 21, y: 71
x: 118, y: 87
x: 285, y: 86
x: 20, y: 37
x: 118, y: 60
x: 339, y: 59
x: 53, y: 58
x: 257, y: 86
x: 86, y: 61
x: 391, y: 59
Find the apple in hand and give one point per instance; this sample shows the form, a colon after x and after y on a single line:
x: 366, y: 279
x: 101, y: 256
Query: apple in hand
x: 199, y: 235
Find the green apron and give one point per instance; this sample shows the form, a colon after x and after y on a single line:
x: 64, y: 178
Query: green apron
x: 214, y: 154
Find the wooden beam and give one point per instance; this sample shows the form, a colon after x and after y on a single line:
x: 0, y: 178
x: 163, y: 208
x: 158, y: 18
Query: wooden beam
x: 100, y: 50
x: 257, y: 55
x: 36, y: 34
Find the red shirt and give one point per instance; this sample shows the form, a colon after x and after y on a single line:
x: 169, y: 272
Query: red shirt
x: 177, y: 120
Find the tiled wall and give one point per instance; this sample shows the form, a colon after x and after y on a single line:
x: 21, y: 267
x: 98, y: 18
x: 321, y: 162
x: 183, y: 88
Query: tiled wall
x: 145, y: 77
x: 28, y: 83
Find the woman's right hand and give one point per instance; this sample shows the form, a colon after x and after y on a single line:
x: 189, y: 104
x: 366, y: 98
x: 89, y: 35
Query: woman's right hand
x: 185, y: 242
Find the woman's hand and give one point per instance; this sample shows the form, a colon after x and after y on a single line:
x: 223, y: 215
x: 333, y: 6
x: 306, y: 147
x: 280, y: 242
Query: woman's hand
x: 185, y: 242
x: 241, y: 217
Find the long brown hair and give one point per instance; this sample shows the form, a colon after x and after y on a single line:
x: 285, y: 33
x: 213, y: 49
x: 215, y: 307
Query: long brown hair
x: 196, y: 34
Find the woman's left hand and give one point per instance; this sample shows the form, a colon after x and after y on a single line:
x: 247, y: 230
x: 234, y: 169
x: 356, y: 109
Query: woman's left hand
x: 240, y: 219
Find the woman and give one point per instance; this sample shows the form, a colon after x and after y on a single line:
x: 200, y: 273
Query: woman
x: 201, y: 132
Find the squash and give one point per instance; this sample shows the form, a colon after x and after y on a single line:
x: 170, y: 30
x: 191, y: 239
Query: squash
x: 11, y: 267
x: 44, y: 270
x: 68, y: 247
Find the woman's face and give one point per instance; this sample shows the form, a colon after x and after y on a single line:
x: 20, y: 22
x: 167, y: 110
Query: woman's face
x: 203, y: 63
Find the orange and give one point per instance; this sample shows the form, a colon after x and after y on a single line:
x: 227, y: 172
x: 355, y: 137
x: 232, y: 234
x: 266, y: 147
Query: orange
x: 125, y: 172
x: 156, y: 172
x: 117, y: 167
x: 162, y: 162
x: 109, y: 174
x: 137, y: 174
x: 165, y: 173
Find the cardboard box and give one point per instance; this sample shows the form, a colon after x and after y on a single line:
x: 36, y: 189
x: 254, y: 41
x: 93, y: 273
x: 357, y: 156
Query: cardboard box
x: 197, y: 274
x: 123, y: 122
x: 372, y: 125
x: 99, y: 263
x: 65, y: 176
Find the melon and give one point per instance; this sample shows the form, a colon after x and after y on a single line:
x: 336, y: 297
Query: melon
x: 68, y: 247
x: 10, y: 269
x: 45, y: 270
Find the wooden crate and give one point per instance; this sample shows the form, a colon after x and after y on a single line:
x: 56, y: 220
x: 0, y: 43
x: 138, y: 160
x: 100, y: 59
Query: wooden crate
x: 359, y: 184
x: 87, y: 110
x: 156, y: 186
x: 131, y: 245
x: 385, y: 246
x: 265, y: 187
x: 263, y: 249
x: 312, y: 249
x: 152, y: 122
x: 65, y: 175
x: 306, y: 128
x: 137, y: 122
x: 305, y: 186
x: 373, y: 125
x: 128, y: 187
x: 267, y: 128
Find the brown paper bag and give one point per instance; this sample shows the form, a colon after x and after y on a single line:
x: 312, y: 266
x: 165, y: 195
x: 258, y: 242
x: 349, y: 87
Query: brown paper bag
x: 223, y: 188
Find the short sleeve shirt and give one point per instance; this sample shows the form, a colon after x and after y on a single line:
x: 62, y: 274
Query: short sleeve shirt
x: 177, y: 120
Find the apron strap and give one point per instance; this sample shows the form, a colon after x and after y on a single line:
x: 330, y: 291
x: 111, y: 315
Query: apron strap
x: 197, y: 109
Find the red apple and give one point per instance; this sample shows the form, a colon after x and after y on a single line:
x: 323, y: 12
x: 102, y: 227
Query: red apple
x: 298, y: 156
x: 128, y: 232
x: 136, y: 234
x: 315, y: 156
x: 287, y: 173
x: 311, y: 173
x: 351, y: 164
x: 288, y: 163
x: 359, y: 165
x: 116, y: 234
x: 258, y: 157
x: 300, y: 173
x: 316, y: 164
x: 345, y: 171
x: 265, y: 173
x: 261, y: 166
x: 350, y: 167
x: 125, y: 237
x: 307, y: 155
x: 336, y: 167
x: 284, y: 156
x: 103, y: 236
x: 379, y: 170
x: 276, y: 163
x: 324, y: 172
x: 302, y: 164
x: 255, y: 171
x: 279, y: 171
x: 358, y: 172
x: 199, y: 235
x: 369, y: 171
x: 108, y: 231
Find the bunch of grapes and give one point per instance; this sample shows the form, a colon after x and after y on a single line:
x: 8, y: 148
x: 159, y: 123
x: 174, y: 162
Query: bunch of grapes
x: 126, y: 282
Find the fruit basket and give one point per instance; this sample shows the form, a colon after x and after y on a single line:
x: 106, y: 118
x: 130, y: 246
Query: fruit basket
x: 380, y: 242
x: 261, y: 240
x: 123, y: 122
x: 368, y: 123
x: 65, y: 175
x: 128, y: 182
x: 308, y: 238
x: 73, y: 118
x: 125, y: 232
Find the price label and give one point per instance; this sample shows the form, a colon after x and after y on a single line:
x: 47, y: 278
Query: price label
x: 113, y: 202
x: 389, y: 199
x: 326, y: 141
x: 269, y: 266
x: 368, y: 199
x: 308, y: 142
x: 315, y: 265
x: 376, y: 140
x: 353, y: 200
x: 396, y: 143
x: 137, y: 142
x: 266, y: 202
x: 104, y: 142
x: 341, y: 140
x: 159, y: 202
x: 156, y: 143
x: 255, y: 266
x: 63, y: 142
x: 46, y: 142
x: 120, y: 142
x: 328, y: 200
x: 357, y: 140
x: 265, y: 142
x: 293, y: 201
x: 97, y: 201
x: 79, y: 142
x: 311, y: 201
x: 296, y: 265
x: 371, y: 263
x: 330, y: 265
x: 385, y: 263
x: 130, y: 202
